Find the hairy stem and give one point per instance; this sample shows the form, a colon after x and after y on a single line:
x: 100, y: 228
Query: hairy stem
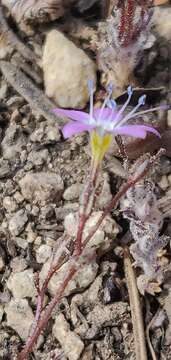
x: 47, y: 314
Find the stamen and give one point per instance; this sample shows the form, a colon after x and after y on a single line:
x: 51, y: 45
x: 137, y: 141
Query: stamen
x: 111, y: 104
x: 91, y: 92
x: 141, y: 102
x: 130, y: 92
x: 106, y: 100
x: 162, y: 107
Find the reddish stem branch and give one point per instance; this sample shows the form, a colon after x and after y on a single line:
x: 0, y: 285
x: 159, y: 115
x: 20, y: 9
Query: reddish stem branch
x: 42, y: 322
x: 47, y: 314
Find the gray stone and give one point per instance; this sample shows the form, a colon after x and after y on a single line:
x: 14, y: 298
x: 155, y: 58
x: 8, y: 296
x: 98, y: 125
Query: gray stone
x: 17, y: 222
x: 72, y: 192
x: 21, y: 284
x: 70, y: 342
x: 66, y: 84
x: 13, y: 142
x: 43, y: 253
x: 42, y: 187
x: 80, y: 281
x: 108, y: 228
x: 19, y: 317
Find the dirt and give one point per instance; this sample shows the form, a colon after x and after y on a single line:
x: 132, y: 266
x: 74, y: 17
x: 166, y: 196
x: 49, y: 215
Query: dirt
x: 37, y: 166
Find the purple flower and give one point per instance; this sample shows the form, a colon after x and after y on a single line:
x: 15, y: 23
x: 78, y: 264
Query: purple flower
x: 107, y: 119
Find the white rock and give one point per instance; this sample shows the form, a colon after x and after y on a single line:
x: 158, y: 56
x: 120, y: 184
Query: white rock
x: 9, y: 203
x: 81, y: 280
x: 108, y: 227
x: 163, y: 183
x: 70, y: 342
x: 1, y: 312
x: 19, y: 316
x: 105, y: 195
x: 17, y: 222
x: 162, y: 22
x: 72, y: 192
x: 1, y: 263
x: 41, y: 187
x: 169, y: 118
x: 43, y: 253
x: 22, y: 284
x: 66, y: 71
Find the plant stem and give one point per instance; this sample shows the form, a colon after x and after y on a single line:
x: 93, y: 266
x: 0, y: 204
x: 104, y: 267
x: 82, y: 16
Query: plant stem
x: 47, y: 314
x: 86, y: 206
x: 136, y: 314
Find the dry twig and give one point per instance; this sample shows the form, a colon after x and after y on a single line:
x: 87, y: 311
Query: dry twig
x: 137, y: 320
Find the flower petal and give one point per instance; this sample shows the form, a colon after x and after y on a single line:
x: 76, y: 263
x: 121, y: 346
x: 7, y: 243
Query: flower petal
x: 73, y: 114
x: 73, y: 128
x: 137, y: 131
x: 106, y: 115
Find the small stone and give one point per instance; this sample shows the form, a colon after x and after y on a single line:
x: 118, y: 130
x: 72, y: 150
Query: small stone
x: 18, y: 197
x: 9, y: 204
x: 38, y: 158
x: 2, y: 264
x: 17, y: 222
x: 4, y: 169
x: 66, y: 84
x: 169, y: 179
x: 70, y: 342
x: 13, y: 142
x: 1, y: 312
x: 18, y: 264
x: 43, y: 253
x: 108, y: 227
x: 81, y: 280
x: 169, y: 118
x: 3, y: 91
x: 19, y: 317
x: 72, y: 192
x: 42, y: 187
x: 21, y: 242
x: 105, y: 195
x: 163, y: 183
x: 21, y: 284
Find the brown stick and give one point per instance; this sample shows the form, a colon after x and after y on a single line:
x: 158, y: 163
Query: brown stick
x: 136, y: 314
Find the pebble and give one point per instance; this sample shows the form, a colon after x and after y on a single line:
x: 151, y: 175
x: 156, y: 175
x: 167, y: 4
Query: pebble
x: 18, y: 264
x: 17, y: 222
x: 108, y: 227
x: 9, y: 204
x: 42, y: 187
x: 84, y: 277
x: 38, y: 158
x: 13, y: 142
x: 43, y: 253
x: 3, y: 90
x: 70, y: 342
x: 169, y: 118
x: 2, y: 264
x: 66, y: 84
x: 19, y: 317
x: 105, y: 195
x: 72, y: 192
x: 162, y: 22
x: 163, y: 183
x: 21, y: 284
x: 1, y: 312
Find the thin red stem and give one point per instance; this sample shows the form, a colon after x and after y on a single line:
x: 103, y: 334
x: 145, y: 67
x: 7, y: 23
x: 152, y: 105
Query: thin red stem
x: 46, y: 316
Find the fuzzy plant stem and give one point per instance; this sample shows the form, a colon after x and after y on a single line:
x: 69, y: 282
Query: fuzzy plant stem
x: 43, y: 320
x: 47, y: 314
x: 86, y: 205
